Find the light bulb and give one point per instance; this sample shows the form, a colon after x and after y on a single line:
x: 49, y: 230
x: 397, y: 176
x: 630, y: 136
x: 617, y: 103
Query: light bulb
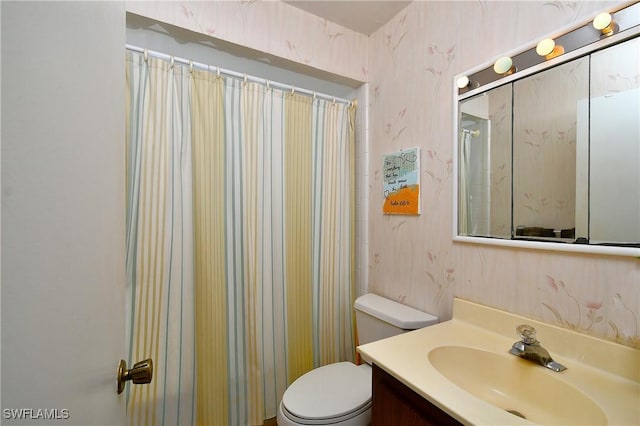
x: 549, y: 49
x: 504, y: 66
x: 545, y: 47
x: 462, y: 82
x: 604, y: 23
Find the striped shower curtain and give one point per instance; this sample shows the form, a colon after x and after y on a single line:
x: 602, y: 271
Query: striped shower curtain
x: 240, y: 254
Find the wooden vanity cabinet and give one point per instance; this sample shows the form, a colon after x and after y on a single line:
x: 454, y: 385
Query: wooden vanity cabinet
x: 393, y: 403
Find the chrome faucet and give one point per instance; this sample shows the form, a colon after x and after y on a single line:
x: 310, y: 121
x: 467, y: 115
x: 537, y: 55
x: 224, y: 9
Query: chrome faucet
x: 529, y: 348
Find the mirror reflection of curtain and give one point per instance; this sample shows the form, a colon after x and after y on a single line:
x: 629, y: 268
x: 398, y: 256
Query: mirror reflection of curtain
x: 464, y: 197
x: 240, y: 242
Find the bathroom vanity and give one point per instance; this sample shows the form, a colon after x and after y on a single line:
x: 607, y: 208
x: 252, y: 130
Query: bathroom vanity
x: 393, y: 403
x: 461, y: 372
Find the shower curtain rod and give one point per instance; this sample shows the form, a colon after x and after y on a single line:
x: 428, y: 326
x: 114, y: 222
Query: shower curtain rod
x: 239, y: 75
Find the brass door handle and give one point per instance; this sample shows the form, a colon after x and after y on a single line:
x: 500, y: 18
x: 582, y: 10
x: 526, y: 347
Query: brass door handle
x: 141, y: 373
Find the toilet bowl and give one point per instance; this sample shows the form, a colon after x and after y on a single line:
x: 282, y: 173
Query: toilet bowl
x: 340, y: 393
x: 337, y: 393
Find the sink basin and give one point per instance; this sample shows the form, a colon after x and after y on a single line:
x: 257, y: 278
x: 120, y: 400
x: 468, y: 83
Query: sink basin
x: 515, y: 385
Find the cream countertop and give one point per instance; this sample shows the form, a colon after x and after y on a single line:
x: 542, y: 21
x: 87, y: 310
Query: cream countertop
x: 607, y: 373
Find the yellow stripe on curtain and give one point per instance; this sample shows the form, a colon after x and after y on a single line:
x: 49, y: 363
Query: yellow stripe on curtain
x: 212, y: 399
x: 298, y: 233
x: 329, y: 211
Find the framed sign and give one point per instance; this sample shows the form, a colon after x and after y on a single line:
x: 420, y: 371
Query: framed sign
x: 401, y: 182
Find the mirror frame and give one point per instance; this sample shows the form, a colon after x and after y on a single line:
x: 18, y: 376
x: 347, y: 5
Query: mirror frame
x: 602, y: 43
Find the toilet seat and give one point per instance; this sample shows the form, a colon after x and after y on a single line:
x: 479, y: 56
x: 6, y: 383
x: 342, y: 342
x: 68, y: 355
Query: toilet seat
x: 330, y: 421
x: 330, y: 394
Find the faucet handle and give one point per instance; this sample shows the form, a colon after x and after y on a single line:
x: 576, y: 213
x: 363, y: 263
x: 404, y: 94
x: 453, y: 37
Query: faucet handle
x: 527, y: 334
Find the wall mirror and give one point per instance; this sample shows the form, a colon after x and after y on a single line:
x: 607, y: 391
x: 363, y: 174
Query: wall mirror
x: 548, y: 149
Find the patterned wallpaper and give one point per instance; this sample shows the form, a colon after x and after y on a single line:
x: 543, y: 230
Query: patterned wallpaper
x: 268, y: 26
x: 409, y: 66
x: 412, y: 259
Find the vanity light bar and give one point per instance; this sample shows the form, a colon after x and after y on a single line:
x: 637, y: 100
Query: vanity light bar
x: 603, y: 25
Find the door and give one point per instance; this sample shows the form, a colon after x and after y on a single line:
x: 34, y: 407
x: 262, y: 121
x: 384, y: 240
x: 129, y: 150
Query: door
x: 63, y: 196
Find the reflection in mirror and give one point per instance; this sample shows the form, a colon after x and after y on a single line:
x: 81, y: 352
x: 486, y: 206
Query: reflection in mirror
x: 544, y: 152
x: 614, y: 145
x: 484, y: 164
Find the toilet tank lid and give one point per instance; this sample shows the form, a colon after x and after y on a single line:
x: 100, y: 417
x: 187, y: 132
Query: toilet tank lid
x: 402, y: 316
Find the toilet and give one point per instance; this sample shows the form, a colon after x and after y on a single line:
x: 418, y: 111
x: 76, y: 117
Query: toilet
x: 340, y: 393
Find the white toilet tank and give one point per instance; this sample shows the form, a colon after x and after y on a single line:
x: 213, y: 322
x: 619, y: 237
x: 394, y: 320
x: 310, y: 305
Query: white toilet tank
x: 378, y: 317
